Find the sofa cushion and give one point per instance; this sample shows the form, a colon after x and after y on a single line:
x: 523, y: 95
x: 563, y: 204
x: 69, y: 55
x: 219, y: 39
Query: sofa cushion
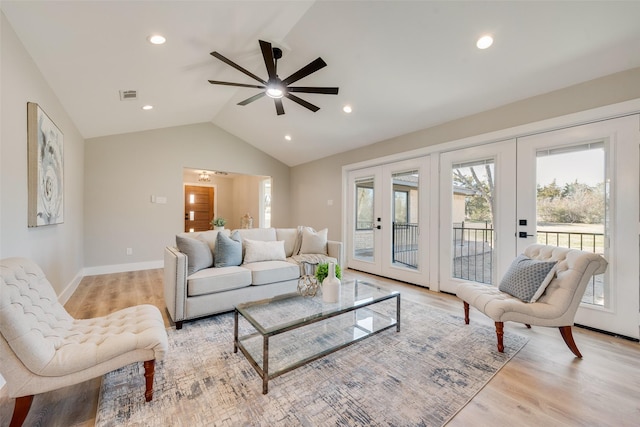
x: 211, y: 236
x: 272, y: 271
x: 198, y: 254
x: 289, y: 236
x: 220, y: 279
x: 264, y: 234
x: 228, y: 250
x: 314, y: 242
x: 527, y: 278
x: 257, y: 250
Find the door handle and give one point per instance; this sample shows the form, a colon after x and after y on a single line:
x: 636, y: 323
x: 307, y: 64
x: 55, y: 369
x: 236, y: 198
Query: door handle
x: 524, y: 235
x: 378, y: 227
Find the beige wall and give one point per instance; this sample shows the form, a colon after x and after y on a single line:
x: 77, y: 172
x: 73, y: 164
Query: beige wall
x: 58, y: 249
x: 246, y: 200
x: 309, y: 197
x: 122, y: 172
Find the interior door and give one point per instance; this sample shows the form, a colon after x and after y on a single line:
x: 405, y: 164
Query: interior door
x: 477, y: 214
x: 198, y: 208
x: 578, y: 187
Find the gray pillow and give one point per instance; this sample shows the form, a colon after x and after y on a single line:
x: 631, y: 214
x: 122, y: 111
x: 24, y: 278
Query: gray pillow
x: 526, y: 277
x: 228, y: 250
x: 198, y: 253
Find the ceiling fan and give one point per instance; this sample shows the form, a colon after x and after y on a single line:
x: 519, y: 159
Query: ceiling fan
x: 275, y: 87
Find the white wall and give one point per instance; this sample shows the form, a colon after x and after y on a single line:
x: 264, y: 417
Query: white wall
x: 122, y: 172
x: 58, y: 249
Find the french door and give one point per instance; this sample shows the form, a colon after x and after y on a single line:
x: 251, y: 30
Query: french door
x: 388, y: 220
x: 578, y: 187
x: 477, y: 207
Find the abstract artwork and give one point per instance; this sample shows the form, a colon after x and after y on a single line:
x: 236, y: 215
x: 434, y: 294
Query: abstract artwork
x: 46, y: 169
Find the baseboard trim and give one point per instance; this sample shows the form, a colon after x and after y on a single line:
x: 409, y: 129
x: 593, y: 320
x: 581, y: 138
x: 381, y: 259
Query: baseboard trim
x: 121, y: 268
x: 70, y: 289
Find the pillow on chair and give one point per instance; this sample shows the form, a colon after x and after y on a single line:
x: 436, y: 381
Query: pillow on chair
x: 527, y: 278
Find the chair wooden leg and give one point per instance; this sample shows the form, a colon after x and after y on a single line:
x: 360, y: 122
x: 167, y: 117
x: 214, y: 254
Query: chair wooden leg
x: 149, y: 370
x: 466, y: 312
x: 567, y: 336
x: 500, y: 335
x: 20, y: 410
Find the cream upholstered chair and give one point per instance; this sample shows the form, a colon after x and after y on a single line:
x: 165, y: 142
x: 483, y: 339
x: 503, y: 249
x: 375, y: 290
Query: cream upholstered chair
x: 43, y: 348
x: 556, y: 307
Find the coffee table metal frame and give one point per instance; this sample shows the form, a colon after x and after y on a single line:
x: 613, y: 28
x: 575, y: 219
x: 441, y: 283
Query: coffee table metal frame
x: 329, y: 311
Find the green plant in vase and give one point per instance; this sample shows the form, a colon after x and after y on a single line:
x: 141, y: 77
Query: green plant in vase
x: 323, y: 270
x: 218, y: 222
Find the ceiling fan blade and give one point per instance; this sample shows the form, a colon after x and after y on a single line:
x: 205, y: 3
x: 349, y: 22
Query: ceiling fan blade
x: 302, y: 102
x: 237, y: 67
x: 216, y: 82
x: 251, y: 99
x: 311, y: 67
x: 267, y: 54
x: 279, y: 106
x: 324, y: 90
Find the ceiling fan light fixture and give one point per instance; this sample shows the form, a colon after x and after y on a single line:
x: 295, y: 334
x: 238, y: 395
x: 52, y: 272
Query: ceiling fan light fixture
x: 275, y: 92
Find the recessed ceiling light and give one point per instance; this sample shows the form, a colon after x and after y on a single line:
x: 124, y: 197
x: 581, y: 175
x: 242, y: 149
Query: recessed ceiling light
x: 147, y: 107
x: 347, y: 109
x: 484, y: 42
x: 157, y: 39
x: 287, y: 137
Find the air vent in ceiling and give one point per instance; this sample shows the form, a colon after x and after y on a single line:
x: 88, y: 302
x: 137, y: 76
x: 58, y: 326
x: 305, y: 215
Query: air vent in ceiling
x: 126, y: 95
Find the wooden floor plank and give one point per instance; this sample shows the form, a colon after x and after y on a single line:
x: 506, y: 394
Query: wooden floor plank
x: 544, y: 384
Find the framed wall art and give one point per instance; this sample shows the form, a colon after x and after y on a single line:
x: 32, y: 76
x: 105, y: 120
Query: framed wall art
x: 45, y: 145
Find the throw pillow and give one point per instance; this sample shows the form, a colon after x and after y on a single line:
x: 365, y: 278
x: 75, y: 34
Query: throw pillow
x: 314, y: 242
x: 257, y: 250
x: 197, y: 252
x: 228, y: 250
x: 527, y: 278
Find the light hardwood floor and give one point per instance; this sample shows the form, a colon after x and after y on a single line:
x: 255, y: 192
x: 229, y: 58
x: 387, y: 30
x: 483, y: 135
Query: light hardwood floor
x: 543, y: 385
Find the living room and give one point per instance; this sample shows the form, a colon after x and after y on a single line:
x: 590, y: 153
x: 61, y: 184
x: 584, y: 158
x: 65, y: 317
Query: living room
x: 109, y: 179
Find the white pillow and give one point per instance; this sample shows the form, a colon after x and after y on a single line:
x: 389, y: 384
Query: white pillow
x: 258, y: 250
x: 314, y: 242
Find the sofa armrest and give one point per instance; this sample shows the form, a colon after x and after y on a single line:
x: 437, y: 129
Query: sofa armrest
x: 175, y: 283
x: 334, y: 249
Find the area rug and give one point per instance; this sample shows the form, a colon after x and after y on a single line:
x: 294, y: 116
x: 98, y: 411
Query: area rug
x: 420, y: 376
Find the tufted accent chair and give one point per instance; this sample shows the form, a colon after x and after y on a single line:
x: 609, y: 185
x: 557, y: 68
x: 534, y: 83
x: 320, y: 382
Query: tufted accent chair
x: 555, y: 308
x: 43, y: 348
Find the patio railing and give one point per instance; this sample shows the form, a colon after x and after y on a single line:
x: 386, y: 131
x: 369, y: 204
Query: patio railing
x: 473, y: 254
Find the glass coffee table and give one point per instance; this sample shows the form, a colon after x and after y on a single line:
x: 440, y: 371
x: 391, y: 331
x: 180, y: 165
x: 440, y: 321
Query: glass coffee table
x: 279, y: 334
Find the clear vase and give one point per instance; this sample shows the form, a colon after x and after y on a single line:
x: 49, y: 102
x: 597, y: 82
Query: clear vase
x: 331, y: 286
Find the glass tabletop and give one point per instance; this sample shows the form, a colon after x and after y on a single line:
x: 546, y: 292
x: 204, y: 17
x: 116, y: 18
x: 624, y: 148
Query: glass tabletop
x: 284, y: 312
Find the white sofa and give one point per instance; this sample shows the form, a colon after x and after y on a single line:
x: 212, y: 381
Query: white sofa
x: 267, y: 269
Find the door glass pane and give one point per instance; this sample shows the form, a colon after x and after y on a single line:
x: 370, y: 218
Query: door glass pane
x: 363, y: 245
x: 405, y: 219
x: 472, y: 216
x: 571, y: 205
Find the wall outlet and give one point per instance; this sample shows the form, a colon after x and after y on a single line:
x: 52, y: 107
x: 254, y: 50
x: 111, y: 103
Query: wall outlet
x: 129, y: 251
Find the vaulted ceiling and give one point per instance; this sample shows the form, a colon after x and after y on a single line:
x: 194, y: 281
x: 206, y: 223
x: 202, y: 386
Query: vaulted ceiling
x: 401, y: 65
